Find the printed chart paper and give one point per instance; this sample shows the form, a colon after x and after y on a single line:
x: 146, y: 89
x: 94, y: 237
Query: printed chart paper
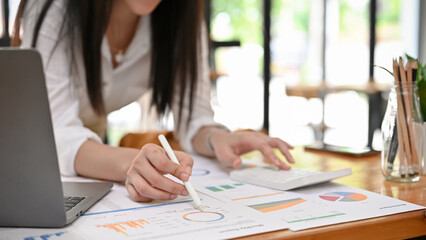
x: 172, y: 220
x: 310, y: 207
x: 118, y: 217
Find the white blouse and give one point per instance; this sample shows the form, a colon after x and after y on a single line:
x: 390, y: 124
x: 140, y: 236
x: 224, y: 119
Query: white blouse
x: 74, y: 120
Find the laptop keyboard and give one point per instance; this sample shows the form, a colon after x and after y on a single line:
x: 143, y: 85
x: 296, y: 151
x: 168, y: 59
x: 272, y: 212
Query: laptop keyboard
x: 71, y: 202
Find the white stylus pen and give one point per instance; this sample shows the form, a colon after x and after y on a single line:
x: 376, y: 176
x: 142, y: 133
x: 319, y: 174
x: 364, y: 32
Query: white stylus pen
x: 188, y: 184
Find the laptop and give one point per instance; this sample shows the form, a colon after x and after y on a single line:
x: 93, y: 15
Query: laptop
x: 31, y: 191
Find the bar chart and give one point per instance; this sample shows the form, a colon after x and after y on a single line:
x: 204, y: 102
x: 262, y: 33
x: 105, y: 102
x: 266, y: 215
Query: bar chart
x: 277, y: 205
x: 123, y: 227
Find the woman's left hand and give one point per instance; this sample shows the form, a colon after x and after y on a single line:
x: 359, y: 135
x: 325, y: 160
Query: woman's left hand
x: 229, y: 146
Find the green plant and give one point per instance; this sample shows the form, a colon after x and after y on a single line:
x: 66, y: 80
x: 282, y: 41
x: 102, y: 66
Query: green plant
x: 421, y: 83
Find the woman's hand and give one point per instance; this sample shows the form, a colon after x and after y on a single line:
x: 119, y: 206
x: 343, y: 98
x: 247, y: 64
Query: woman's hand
x: 229, y: 146
x: 145, y: 180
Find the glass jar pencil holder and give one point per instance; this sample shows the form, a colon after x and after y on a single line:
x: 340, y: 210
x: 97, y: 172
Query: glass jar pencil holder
x: 402, y: 134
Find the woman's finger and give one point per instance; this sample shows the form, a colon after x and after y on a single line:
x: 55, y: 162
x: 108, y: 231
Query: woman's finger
x: 185, y: 161
x: 262, y: 143
x: 134, y: 195
x: 226, y: 155
x: 237, y: 163
x: 158, y: 158
x: 269, y: 153
x: 283, y: 147
x: 145, y: 189
x: 288, y: 145
x: 161, y: 182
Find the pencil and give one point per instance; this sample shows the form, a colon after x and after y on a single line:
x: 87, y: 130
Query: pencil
x: 415, y: 159
x: 406, y: 93
x: 187, y: 184
x: 419, y: 127
x: 402, y: 126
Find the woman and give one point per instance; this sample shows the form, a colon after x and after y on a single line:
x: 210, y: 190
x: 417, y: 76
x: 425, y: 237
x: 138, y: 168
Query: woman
x: 101, y: 55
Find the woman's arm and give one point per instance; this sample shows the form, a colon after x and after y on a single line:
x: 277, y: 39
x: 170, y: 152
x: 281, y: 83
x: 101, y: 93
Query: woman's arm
x: 142, y: 170
x: 199, y: 142
x: 96, y: 160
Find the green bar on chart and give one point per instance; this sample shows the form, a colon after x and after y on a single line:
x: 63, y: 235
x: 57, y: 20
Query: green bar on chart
x: 214, y: 189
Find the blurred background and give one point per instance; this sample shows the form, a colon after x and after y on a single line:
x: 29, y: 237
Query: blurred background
x: 301, y: 69
x: 322, y: 86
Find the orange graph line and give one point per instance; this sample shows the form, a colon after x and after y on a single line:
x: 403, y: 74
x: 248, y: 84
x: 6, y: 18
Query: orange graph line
x: 282, y: 206
x: 270, y: 194
x: 121, y: 227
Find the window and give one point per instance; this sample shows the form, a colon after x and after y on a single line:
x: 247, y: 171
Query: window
x: 238, y: 99
x: 296, y: 41
x: 397, y: 34
x: 347, y: 51
x: 296, y: 54
x: 315, y: 42
x: 1, y: 19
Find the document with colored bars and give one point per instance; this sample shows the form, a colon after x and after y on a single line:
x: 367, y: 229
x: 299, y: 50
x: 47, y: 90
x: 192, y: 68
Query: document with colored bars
x: 118, y: 217
x: 233, y: 209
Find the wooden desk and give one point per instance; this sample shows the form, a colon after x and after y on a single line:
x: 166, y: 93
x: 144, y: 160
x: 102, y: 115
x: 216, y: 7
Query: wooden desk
x: 317, y: 91
x: 366, y: 175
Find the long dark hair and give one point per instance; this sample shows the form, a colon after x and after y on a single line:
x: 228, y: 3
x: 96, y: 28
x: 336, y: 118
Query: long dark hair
x: 175, y: 27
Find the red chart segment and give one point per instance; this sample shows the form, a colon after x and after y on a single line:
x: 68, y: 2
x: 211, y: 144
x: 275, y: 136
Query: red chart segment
x: 330, y: 198
x: 343, y: 196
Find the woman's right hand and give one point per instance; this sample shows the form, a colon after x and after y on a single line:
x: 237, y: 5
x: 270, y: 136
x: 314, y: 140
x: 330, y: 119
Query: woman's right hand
x: 145, y: 177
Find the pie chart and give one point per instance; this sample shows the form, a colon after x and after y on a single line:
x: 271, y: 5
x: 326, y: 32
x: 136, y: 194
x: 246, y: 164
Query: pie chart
x: 343, y: 196
x: 203, y: 216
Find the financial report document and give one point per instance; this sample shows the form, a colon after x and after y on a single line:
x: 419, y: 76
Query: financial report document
x: 233, y: 209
